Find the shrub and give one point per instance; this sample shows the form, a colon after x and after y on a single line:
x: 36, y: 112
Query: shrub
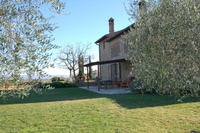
x: 61, y: 85
x: 55, y: 79
x: 139, y: 86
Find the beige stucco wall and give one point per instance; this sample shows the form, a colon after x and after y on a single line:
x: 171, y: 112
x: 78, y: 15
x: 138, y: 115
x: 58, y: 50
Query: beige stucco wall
x: 125, y: 70
x: 104, y: 52
x: 105, y: 72
x: 114, y: 49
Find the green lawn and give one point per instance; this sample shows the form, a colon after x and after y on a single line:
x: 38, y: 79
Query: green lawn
x: 73, y: 110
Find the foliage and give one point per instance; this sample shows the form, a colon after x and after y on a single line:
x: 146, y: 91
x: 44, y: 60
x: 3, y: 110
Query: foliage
x: 80, y: 66
x: 55, y: 79
x: 61, y: 84
x: 137, y: 86
x: 25, y: 41
x: 90, y: 68
x: 68, y: 57
x: 24, y: 92
x: 164, y: 46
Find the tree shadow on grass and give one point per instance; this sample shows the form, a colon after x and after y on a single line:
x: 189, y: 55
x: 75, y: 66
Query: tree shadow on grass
x: 132, y: 101
x: 129, y: 101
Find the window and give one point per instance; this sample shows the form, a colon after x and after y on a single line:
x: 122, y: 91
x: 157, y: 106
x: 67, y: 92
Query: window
x: 125, y: 42
x: 104, y: 45
x: 115, y: 49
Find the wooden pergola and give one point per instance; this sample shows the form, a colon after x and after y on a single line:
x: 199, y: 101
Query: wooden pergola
x: 99, y: 63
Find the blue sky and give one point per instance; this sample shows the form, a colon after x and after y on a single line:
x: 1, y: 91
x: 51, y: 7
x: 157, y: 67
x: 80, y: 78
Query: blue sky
x: 87, y: 22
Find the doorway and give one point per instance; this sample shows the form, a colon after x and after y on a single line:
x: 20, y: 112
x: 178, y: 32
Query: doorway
x: 114, y: 72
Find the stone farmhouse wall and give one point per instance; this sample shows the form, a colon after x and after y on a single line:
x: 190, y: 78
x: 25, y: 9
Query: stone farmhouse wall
x: 112, y: 50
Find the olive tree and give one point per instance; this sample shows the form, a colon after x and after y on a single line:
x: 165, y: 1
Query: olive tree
x: 90, y: 69
x: 164, y: 46
x: 25, y: 43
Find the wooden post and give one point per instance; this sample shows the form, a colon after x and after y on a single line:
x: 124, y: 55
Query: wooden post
x: 87, y: 79
x: 98, y: 80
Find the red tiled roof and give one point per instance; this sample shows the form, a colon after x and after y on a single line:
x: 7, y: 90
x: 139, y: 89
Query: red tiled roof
x: 109, y: 37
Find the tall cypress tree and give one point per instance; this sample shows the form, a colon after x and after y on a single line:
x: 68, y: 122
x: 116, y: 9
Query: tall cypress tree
x: 90, y: 68
x: 81, y: 67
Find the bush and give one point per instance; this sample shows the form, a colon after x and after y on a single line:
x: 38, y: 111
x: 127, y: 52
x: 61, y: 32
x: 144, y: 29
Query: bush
x: 55, y: 79
x: 61, y: 85
x: 139, y: 86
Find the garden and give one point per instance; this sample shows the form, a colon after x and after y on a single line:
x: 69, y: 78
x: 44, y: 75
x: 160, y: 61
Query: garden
x: 76, y: 110
x: 163, y: 47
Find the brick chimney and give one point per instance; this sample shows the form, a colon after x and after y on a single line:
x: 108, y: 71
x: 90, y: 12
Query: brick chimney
x: 111, y: 25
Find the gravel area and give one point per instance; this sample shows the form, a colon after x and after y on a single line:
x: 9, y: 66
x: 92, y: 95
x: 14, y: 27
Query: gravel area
x: 108, y: 91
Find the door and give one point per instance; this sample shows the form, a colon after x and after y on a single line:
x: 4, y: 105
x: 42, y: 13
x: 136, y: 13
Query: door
x: 114, y: 72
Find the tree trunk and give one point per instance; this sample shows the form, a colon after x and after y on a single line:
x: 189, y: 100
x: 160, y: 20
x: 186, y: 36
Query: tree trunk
x: 70, y: 72
x: 74, y: 73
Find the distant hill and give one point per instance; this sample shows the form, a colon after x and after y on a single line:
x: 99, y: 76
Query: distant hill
x: 46, y: 77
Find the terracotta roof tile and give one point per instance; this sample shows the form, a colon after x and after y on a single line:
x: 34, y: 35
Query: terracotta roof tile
x: 109, y: 37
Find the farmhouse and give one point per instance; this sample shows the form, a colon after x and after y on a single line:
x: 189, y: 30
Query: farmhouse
x: 112, y: 64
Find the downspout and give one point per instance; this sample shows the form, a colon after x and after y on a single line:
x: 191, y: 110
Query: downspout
x: 99, y: 67
x: 99, y: 61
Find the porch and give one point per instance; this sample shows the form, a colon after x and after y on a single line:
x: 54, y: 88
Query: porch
x: 117, y: 74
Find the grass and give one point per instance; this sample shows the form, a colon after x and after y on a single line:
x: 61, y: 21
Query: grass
x: 73, y: 110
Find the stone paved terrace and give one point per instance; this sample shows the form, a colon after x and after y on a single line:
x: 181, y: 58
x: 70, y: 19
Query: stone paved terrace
x: 108, y: 90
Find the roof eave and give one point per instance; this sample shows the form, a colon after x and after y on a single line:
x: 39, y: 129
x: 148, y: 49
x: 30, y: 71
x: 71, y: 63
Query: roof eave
x: 101, y: 39
x: 105, y: 62
x: 125, y: 30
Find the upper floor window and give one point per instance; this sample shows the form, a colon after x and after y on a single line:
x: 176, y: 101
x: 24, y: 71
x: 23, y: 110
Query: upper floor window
x: 115, y: 49
x: 104, y: 45
x: 125, y: 42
